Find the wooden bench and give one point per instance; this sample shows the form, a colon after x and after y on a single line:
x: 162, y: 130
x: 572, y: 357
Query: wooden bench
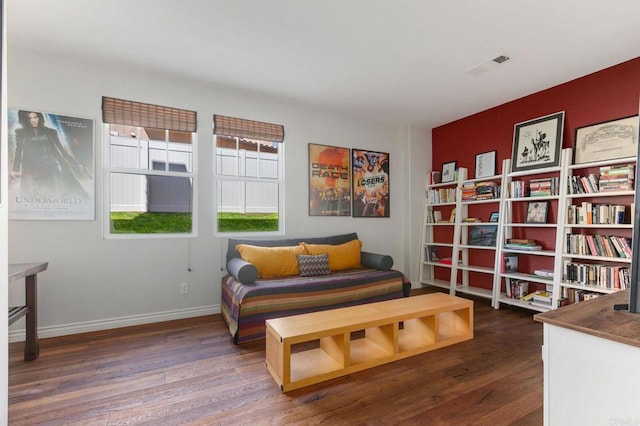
x: 310, y: 348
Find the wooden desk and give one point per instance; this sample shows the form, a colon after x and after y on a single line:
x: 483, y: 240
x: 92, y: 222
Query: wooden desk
x: 29, y: 272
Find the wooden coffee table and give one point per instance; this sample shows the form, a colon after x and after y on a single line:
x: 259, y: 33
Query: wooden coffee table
x: 305, y: 349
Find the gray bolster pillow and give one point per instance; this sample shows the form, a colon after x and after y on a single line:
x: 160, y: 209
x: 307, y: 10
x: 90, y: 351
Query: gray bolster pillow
x: 376, y: 261
x: 242, y: 271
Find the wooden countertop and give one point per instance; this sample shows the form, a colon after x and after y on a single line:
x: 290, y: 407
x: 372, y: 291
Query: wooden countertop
x: 598, y: 318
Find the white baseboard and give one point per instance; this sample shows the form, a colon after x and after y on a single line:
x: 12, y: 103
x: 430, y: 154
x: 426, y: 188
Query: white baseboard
x: 85, y: 327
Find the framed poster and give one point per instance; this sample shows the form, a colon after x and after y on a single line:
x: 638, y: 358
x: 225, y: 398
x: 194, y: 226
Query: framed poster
x: 329, y: 181
x: 449, y: 171
x: 537, y: 212
x: 537, y: 143
x: 486, y: 164
x: 606, y: 141
x: 51, y: 166
x: 370, y: 183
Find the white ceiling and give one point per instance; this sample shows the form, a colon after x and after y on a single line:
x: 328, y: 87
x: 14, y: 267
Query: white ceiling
x: 402, y: 61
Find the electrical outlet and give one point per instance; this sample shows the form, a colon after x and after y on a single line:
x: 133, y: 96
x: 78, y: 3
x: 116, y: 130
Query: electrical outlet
x: 184, y: 288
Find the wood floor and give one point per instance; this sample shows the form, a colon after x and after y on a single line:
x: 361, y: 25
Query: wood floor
x: 188, y: 372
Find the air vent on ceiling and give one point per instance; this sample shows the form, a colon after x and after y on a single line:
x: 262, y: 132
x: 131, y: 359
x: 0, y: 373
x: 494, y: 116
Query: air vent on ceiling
x: 488, y: 65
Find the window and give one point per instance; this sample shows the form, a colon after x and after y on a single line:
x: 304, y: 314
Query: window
x: 149, y: 174
x: 248, y: 176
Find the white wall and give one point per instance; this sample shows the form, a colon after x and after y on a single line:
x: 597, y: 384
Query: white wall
x: 4, y: 271
x: 94, y: 283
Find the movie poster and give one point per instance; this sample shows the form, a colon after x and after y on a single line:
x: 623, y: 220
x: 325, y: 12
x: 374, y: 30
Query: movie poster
x: 51, y: 166
x: 329, y: 181
x: 370, y: 183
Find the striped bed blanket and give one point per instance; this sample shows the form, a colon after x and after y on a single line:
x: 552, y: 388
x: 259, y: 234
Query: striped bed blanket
x: 245, y: 307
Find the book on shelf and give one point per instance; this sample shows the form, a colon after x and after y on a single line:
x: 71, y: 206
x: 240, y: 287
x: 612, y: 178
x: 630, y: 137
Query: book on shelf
x: 435, y: 177
x: 524, y: 247
x: 546, y: 273
x: 446, y: 261
x: 432, y: 254
x: 437, y: 216
x: 509, y: 263
x: 517, y: 289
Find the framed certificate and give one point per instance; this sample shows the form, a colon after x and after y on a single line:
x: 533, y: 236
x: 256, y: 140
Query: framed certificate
x: 606, y: 141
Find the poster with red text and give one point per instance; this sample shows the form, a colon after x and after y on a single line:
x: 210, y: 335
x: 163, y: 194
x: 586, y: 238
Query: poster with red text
x: 329, y: 181
x: 370, y: 183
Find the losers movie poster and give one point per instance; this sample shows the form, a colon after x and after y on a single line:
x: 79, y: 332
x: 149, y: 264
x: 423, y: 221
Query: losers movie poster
x: 370, y: 183
x: 329, y: 181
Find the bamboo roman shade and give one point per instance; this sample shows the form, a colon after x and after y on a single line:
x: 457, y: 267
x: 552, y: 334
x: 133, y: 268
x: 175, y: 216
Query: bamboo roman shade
x: 241, y: 128
x: 130, y: 113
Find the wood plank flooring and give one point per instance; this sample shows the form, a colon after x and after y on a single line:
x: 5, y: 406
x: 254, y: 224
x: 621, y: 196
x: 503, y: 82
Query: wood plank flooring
x: 188, y: 372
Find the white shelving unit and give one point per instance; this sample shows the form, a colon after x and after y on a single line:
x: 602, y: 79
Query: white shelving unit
x: 625, y: 198
x: 438, y: 234
x: 511, y: 227
x: 467, y: 250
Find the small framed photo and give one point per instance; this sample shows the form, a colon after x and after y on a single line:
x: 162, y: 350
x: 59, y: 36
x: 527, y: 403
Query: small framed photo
x: 494, y: 216
x: 606, y: 141
x: 486, y: 164
x: 537, y: 143
x: 449, y: 172
x: 537, y: 212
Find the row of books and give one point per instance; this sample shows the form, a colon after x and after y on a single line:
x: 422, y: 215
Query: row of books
x: 616, y: 178
x: 574, y: 295
x: 595, y: 275
x: 583, y: 184
x: 599, y: 245
x: 485, y: 190
x: 441, y: 195
x: 590, y: 213
x: 534, y: 188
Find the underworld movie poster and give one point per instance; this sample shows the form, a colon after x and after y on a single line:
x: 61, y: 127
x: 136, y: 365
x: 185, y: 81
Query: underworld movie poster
x: 329, y: 181
x: 51, y: 166
x: 370, y: 183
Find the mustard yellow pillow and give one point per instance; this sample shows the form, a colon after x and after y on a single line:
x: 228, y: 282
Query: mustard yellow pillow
x: 272, y: 261
x: 341, y: 256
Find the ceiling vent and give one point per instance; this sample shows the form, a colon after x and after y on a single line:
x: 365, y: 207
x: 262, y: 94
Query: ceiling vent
x: 488, y: 65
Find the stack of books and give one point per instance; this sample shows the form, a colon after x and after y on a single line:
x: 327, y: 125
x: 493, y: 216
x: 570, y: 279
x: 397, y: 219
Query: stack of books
x: 543, y: 187
x: 616, y: 178
x: 542, y: 299
x: 522, y: 244
x: 486, y: 190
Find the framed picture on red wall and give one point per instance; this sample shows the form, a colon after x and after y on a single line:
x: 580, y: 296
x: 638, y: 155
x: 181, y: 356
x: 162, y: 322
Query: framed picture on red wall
x: 537, y: 143
x: 606, y: 141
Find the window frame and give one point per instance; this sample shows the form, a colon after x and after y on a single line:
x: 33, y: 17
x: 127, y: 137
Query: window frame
x: 106, y: 185
x: 217, y: 178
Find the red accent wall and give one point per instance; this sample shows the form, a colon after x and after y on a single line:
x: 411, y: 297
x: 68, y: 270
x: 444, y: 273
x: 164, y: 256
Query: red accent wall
x: 602, y: 96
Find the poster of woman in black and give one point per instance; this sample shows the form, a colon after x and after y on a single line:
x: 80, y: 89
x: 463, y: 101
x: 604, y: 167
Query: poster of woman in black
x: 51, y: 166
x: 370, y: 183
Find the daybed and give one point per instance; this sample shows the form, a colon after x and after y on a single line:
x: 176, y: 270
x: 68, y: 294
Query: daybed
x: 251, y: 293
